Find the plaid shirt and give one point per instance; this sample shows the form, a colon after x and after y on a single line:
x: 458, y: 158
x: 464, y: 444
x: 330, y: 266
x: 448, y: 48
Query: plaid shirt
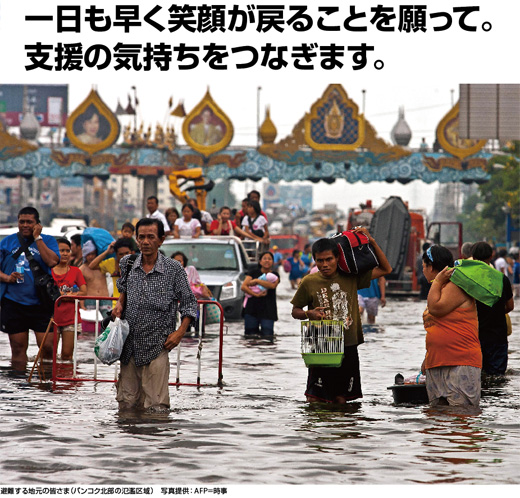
x: 151, y: 305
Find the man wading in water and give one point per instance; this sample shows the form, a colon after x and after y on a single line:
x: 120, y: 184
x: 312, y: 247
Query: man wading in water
x: 151, y: 286
x: 332, y: 295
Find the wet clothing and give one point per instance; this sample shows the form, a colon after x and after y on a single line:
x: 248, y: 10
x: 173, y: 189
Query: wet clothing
x: 64, y: 313
x: 339, y: 297
x: 458, y: 385
x: 369, y: 298
x: 325, y: 384
x: 145, y: 386
x: 370, y: 304
x: 452, y: 339
x: 492, y: 331
x: 16, y: 317
x: 453, y: 358
x: 494, y: 358
x: 24, y: 292
x: 151, y: 305
x: 265, y: 306
x: 254, y: 325
x: 297, y: 271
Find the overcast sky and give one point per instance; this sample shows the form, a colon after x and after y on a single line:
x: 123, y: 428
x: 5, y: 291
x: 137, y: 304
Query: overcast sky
x: 420, y: 71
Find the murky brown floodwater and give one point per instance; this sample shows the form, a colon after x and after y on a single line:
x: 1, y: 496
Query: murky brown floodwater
x: 258, y: 429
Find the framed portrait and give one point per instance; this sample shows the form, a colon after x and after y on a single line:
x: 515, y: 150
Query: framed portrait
x: 207, y: 129
x: 92, y: 127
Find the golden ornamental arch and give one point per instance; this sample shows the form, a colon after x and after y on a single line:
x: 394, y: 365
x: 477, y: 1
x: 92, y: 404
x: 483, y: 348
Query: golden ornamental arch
x: 449, y: 138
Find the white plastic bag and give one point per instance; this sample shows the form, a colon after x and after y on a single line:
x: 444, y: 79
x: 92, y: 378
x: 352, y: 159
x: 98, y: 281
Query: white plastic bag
x: 109, y: 345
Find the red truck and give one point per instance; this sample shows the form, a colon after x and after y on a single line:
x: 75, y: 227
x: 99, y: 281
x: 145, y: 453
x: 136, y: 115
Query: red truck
x: 287, y: 243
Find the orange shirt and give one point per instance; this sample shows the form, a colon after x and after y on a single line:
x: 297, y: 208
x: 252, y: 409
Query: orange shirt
x: 452, y: 340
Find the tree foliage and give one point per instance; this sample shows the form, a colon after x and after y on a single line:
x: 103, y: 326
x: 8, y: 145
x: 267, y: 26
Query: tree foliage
x: 484, y: 214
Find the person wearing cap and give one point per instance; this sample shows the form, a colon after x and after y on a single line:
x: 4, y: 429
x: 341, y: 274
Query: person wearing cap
x: 95, y: 279
x: 278, y: 258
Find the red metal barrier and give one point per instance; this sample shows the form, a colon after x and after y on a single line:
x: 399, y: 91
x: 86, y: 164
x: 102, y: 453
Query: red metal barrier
x: 201, y: 303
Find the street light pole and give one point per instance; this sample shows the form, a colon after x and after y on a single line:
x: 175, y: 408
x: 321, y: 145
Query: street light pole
x: 258, y: 90
x: 135, y: 107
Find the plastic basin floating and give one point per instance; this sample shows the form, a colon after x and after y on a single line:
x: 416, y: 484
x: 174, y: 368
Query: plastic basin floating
x: 323, y: 359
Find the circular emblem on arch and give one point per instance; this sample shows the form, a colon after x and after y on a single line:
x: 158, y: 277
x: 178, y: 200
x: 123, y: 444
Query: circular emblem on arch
x: 207, y: 129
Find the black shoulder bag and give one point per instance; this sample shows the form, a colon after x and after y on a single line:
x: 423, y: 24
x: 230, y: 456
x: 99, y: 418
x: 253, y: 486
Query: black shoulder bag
x: 46, y: 289
x: 129, y: 266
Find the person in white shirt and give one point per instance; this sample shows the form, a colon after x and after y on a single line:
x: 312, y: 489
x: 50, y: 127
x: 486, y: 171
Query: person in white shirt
x: 205, y: 217
x: 254, y: 223
x: 500, y: 262
x: 187, y: 226
x: 152, y: 204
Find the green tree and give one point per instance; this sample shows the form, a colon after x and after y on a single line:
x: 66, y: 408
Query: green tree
x: 484, y: 214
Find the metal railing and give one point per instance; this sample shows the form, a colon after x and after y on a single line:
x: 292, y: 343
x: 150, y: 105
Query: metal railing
x: 95, y: 377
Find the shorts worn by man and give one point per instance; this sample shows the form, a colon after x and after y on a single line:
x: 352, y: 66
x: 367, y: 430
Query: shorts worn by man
x: 151, y: 287
x: 332, y: 295
x: 21, y: 309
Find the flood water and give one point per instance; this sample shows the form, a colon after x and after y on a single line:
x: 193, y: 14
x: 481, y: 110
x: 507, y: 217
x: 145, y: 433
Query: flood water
x: 258, y: 429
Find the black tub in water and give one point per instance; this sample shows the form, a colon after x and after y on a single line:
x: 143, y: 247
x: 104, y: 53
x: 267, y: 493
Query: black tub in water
x: 409, y: 393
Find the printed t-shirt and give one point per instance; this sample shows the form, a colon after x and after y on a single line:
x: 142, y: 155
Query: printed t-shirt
x: 24, y: 292
x: 338, y: 295
x: 452, y: 339
x: 110, y: 266
x: 64, y: 313
x: 225, y: 228
x: 492, y: 326
x: 258, y: 224
x: 187, y: 228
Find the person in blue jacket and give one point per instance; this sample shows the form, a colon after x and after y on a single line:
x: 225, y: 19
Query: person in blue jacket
x: 21, y: 308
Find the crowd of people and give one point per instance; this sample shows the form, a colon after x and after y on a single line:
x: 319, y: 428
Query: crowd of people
x: 464, y: 336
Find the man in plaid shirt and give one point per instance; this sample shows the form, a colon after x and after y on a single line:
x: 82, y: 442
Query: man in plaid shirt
x: 151, y: 287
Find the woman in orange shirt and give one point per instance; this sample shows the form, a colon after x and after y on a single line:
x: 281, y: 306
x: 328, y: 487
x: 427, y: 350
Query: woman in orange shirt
x: 453, y: 359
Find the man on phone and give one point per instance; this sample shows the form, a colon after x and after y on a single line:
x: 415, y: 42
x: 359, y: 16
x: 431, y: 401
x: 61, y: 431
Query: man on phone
x: 21, y: 308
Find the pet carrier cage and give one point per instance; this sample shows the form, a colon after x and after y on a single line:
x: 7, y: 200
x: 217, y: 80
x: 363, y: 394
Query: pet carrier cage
x: 322, y: 343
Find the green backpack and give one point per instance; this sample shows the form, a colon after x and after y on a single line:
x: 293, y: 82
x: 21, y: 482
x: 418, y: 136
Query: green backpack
x: 479, y: 280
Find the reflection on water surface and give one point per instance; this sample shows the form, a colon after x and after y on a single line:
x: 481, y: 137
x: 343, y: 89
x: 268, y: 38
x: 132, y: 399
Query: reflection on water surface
x: 258, y: 429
